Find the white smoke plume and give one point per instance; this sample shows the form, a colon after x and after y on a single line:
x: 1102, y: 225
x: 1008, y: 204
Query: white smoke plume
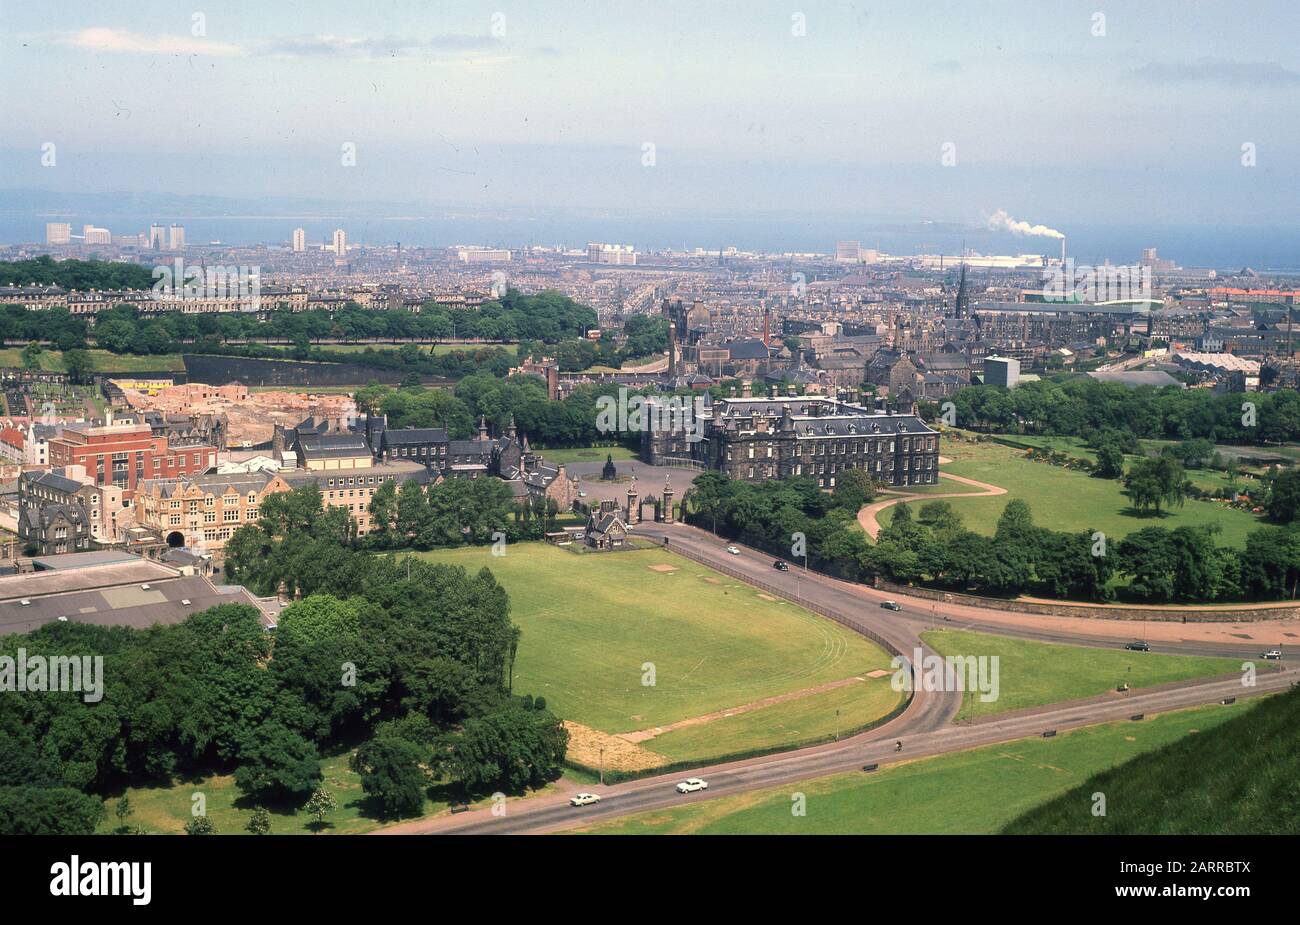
x: 1001, y: 221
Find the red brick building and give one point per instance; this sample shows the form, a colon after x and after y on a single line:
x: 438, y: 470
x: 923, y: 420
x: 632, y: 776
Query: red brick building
x: 127, y: 454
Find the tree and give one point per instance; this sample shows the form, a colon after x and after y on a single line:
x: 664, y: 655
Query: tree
x: 200, y: 825
x: 391, y: 772
x: 48, y: 811
x: 1110, y: 462
x: 1151, y: 483
x: 319, y: 805
x: 853, y: 489
x: 1284, y: 497
x: 259, y: 823
x: 78, y: 364
x: 123, y: 811
x: 277, y: 763
x: 508, y: 750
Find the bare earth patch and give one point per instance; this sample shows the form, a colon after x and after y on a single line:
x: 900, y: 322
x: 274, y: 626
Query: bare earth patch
x: 663, y: 567
x: 585, y: 745
x: 878, y: 673
x: 766, y: 597
x: 642, y: 735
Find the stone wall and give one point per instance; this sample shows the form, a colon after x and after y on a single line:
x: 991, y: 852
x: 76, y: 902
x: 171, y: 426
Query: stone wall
x: 1242, y: 613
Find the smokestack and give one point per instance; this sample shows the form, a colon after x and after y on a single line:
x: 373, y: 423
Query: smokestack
x: 1062, y: 251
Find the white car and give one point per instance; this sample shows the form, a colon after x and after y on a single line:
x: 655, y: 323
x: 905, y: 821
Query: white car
x: 1272, y: 654
x: 733, y: 550
x: 692, y: 784
x: 584, y: 799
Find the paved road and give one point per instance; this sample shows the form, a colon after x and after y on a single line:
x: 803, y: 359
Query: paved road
x: 544, y: 814
x: 925, y: 726
x: 859, y: 606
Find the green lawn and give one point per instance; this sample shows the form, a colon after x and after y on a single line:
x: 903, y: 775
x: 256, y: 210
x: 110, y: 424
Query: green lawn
x: 165, y: 809
x: 1204, y: 479
x: 52, y: 361
x: 971, y: 792
x: 569, y: 455
x: 817, y: 716
x: 1035, y: 673
x: 1067, y: 500
x: 1238, y: 779
x: 593, y: 624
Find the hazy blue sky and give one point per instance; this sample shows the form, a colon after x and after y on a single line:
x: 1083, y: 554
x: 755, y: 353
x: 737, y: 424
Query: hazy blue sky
x: 1049, y: 122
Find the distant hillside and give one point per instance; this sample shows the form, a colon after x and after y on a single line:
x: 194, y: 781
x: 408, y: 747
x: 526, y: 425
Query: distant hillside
x: 1242, y: 777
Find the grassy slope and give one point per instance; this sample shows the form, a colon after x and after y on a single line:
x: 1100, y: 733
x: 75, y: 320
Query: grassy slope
x: 52, y: 361
x: 1241, y: 778
x: 1065, y: 500
x: 591, y: 621
x: 972, y: 792
x: 1034, y: 673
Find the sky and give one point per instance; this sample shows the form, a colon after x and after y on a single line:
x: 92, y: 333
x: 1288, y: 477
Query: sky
x: 1043, y: 109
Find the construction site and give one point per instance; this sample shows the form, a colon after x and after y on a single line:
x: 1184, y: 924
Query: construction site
x: 250, y: 417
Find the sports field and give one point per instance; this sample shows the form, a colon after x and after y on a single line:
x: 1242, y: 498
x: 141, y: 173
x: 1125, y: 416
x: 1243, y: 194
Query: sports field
x: 598, y: 628
x: 1035, y: 673
x: 1067, y: 500
x: 971, y: 792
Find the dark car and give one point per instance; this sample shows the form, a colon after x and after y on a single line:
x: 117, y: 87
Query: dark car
x: 781, y: 565
x: 1138, y: 647
x: 891, y: 605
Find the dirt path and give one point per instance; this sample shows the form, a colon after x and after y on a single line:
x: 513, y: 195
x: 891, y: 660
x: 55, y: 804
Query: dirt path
x: 867, y: 516
x: 642, y: 735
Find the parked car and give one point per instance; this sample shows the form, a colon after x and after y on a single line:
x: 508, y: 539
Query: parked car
x: 584, y: 799
x: 1138, y: 646
x: 1272, y: 654
x: 891, y: 605
x: 692, y: 784
x: 733, y: 550
x: 781, y: 565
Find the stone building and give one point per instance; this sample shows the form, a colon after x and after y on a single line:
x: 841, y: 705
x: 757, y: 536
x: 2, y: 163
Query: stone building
x: 764, y: 438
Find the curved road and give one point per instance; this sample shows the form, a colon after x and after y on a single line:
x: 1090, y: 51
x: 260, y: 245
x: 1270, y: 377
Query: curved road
x: 925, y: 726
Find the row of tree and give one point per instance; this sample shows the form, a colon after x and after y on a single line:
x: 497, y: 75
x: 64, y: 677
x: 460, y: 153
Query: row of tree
x: 1078, y: 406
x: 1154, y: 564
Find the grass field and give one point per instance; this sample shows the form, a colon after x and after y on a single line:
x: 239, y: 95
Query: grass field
x: 1204, y: 479
x: 595, y: 624
x: 52, y: 361
x: 569, y: 455
x: 972, y: 792
x: 1238, y: 779
x: 1034, y: 673
x: 165, y: 810
x: 1067, y: 500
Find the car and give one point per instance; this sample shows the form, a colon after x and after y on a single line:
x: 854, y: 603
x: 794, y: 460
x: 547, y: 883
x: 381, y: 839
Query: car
x: 891, y: 605
x: 692, y: 784
x: 582, y: 494
x: 1138, y: 646
x: 781, y: 565
x: 584, y: 799
x: 1272, y: 654
x: 733, y: 550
